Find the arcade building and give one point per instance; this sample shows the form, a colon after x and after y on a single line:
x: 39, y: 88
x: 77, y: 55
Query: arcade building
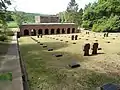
x: 47, y: 25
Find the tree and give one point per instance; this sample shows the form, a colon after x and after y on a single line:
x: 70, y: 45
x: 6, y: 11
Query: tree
x: 19, y: 17
x: 71, y: 11
x: 102, y: 15
x: 3, y: 12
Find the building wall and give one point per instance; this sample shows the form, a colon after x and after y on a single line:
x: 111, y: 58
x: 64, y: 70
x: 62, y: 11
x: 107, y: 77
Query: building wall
x: 49, y: 27
x: 46, y: 19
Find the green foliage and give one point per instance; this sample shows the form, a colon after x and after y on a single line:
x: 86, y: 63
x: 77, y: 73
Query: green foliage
x: 10, y: 33
x: 3, y: 37
x: 103, y: 15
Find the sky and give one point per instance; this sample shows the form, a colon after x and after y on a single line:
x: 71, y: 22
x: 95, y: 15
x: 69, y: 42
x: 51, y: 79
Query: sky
x: 45, y: 6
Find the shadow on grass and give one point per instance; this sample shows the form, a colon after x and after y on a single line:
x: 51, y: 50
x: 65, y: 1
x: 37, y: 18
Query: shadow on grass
x: 48, y: 72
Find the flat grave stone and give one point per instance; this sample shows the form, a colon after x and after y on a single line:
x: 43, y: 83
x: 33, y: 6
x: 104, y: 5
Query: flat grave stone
x: 41, y: 43
x: 107, y: 41
x: 74, y: 65
x: 74, y: 43
x: 110, y: 86
x: 79, y: 38
x: 87, y: 39
x: 113, y: 38
x: 58, y: 55
x: 57, y: 39
x: 99, y: 48
x: 96, y: 40
x: 61, y: 40
x: 66, y: 41
x: 44, y: 46
x: 50, y: 49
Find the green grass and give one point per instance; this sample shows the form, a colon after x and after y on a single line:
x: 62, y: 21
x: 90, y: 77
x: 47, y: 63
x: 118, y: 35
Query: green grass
x: 48, y: 72
x: 11, y: 24
x: 5, y: 76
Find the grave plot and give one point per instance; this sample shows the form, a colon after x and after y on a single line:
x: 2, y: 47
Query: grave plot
x: 47, y: 71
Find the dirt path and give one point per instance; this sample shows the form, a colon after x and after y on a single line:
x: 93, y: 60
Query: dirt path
x: 11, y: 64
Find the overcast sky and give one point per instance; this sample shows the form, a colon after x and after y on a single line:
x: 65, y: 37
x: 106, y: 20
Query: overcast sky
x: 45, y: 6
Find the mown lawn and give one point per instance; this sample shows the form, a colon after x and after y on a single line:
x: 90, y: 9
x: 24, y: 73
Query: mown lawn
x: 47, y: 72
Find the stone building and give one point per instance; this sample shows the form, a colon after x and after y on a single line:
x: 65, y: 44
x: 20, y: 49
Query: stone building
x: 47, y: 25
x: 47, y: 19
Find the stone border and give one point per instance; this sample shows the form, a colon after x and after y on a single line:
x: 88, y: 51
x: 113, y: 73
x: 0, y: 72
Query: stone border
x: 23, y: 70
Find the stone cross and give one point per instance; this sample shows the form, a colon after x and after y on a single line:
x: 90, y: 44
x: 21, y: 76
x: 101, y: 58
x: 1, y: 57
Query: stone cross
x: 95, y: 48
x: 72, y: 38
x: 76, y: 37
x: 86, y: 49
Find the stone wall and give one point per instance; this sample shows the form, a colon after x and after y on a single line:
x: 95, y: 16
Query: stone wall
x: 50, y: 28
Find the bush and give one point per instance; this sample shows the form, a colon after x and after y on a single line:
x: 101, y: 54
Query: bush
x: 3, y: 37
x: 10, y: 33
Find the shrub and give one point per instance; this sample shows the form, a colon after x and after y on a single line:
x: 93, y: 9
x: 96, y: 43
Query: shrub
x: 3, y: 37
x: 10, y: 33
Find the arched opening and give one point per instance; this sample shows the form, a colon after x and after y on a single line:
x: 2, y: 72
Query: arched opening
x: 63, y: 31
x: 33, y: 32
x: 46, y: 31
x: 68, y: 31
x: 58, y: 31
x: 52, y: 31
x: 26, y: 32
x: 40, y: 31
x: 73, y: 30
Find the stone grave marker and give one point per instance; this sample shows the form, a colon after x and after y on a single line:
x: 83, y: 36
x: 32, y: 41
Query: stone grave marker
x: 61, y: 40
x: 110, y: 86
x: 66, y: 41
x: 58, y: 55
x: 44, y: 46
x: 72, y: 37
x: 86, y: 49
x: 41, y: 35
x: 76, y: 36
x: 74, y: 43
x: 94, y: 48
x: 74, y: 65
x: 38, y: 36
x: 41, y: 43
x: 50, y: 49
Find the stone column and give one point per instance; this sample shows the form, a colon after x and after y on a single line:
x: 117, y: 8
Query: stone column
x: 60, y: 30
x: 49, y: 31
x: 65, y: 30
x: 29, y: 32
x: 43, y: 31
x: 55, y: 31
x: 36, y: 32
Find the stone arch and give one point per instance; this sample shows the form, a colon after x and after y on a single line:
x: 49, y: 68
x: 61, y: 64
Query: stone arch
x: 33, y: 32
x: 73, y: 30
x: 58, y: 31
x: 68, y: 31
x: 46, y: 31
x: 52, y: 31
x: 26, y: 32
x: 40, y: 31
x: 63, y: 31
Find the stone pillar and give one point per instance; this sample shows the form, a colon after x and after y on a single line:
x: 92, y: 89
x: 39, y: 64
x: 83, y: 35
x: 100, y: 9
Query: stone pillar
x: 65, y: 30
x: 36, y: 32
x: 30, y: 32
x: 70, y: 30
x: 60, y: 30
x: 55, y: 31
x: 43, y: 31
x: 49, y: 31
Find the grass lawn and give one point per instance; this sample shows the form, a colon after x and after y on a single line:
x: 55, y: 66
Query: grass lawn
x: 47, y: 72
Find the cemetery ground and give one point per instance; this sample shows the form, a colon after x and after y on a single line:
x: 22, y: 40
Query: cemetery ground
x: 47, y: 72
